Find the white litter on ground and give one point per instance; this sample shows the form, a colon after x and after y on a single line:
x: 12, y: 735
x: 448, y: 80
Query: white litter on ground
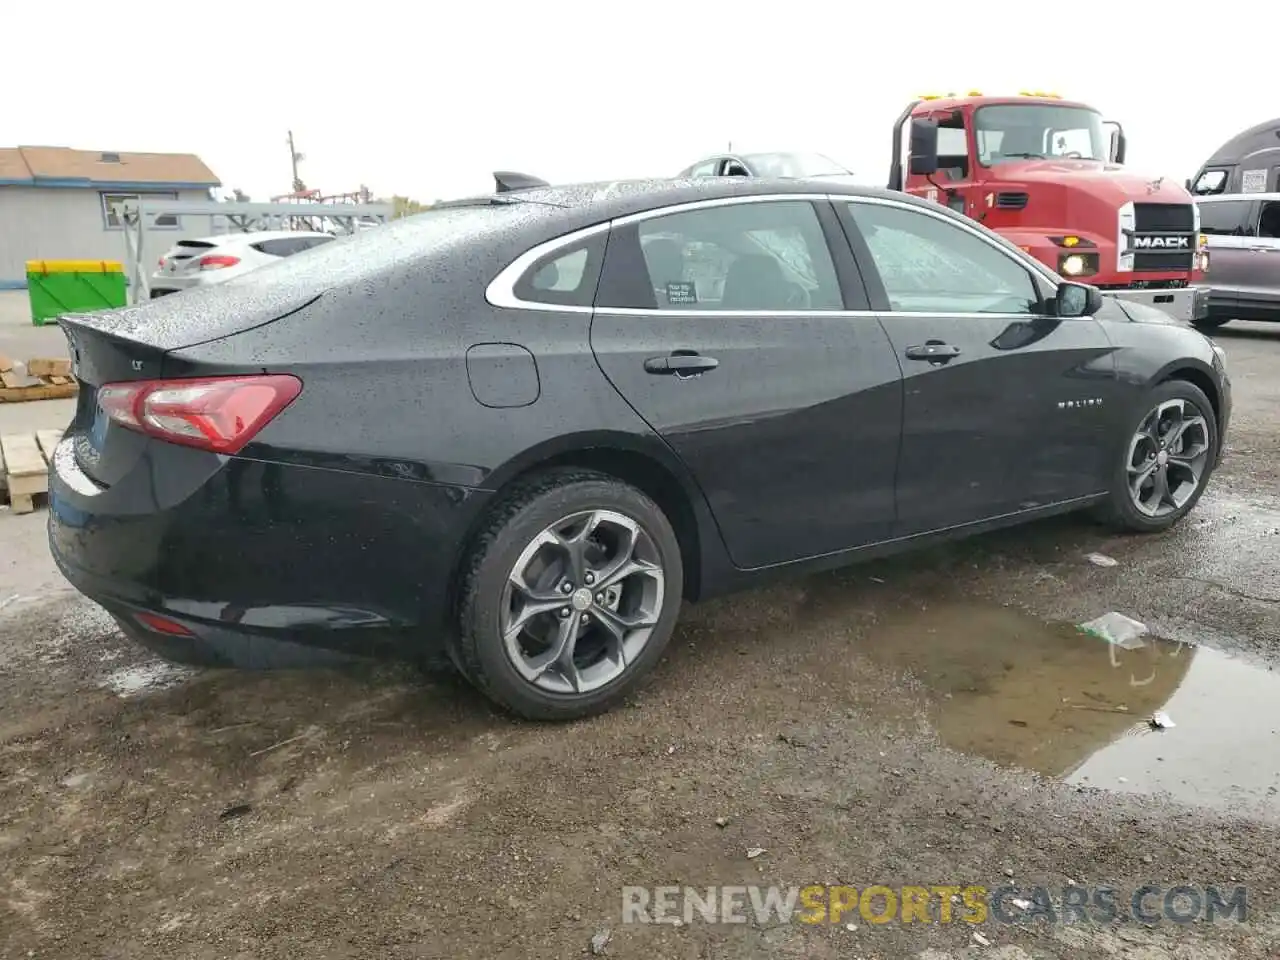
x: 147, y: 677
x: 1101, y: 560
x: 1117, y: 629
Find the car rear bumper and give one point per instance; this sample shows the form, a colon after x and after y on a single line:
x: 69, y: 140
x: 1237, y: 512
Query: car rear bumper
x: 161, y: 283
x: 260, y: 562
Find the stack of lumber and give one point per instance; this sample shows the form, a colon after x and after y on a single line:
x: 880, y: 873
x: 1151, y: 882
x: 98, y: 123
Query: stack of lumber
x: 45, y: 379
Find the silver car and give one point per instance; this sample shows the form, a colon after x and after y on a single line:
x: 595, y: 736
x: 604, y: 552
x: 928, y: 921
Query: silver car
x: 1243, y: 235
x: 790, y: 166
x: 209, y: 260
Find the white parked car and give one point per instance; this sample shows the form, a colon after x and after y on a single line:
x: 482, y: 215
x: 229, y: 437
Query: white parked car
x: 209, y: 260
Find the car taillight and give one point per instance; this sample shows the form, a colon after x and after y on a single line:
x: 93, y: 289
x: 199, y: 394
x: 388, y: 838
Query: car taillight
x: 218, y: 414
x: 216, y: 261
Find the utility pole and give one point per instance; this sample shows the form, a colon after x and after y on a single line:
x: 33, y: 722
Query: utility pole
x: 295, y: 156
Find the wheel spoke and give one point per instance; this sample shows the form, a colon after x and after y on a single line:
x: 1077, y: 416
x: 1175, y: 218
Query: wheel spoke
x: 1160, y: 488
x: 531, y: 594
x: 527, y: 613
x: 609, y: 572
x: 1182, y: 426
x: 575, y: 549
x: 559, y: 656
x: 1190, y: 464
x: 1139, y: 475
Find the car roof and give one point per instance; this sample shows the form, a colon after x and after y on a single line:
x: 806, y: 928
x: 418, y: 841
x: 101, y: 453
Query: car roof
x: 609, y: 200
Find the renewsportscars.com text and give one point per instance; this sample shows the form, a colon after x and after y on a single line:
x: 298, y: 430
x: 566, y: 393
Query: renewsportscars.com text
x: 936, y: 903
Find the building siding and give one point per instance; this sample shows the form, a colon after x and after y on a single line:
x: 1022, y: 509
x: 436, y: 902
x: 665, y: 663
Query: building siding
x: 42, y: 223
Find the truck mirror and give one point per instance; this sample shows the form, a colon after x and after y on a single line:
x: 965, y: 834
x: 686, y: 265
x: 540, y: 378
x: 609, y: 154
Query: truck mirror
x: 1116, y: 149
x: 924, y: 147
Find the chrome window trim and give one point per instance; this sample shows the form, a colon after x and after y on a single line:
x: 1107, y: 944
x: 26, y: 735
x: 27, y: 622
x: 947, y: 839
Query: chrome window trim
x: 500, y: 292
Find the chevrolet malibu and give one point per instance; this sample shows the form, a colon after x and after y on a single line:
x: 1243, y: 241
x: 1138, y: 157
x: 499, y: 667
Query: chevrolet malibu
x: 524, y: 427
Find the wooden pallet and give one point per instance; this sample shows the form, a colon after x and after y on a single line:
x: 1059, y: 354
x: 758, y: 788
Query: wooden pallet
x: 24, y: 466
x: 52, y: 376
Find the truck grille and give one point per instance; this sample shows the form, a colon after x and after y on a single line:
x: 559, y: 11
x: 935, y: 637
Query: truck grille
x: 1164, y: 217
x: 1164, y: 220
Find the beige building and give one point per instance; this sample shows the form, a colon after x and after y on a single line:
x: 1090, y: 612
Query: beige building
x: 55, y: 204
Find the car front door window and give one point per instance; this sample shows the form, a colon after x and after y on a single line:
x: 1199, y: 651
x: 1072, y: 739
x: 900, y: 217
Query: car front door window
x: 928, y: 265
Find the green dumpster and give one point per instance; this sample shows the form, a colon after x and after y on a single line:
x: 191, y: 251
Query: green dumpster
x: 56, y: 287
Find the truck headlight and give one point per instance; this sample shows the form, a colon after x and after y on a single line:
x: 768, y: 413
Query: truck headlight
x: 1203, y: 261
x: 1077, y: 264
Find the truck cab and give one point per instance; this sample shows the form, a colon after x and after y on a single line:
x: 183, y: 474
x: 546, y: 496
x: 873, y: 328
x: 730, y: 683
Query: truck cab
x: 1247, y: 163
x: 1048, y: 175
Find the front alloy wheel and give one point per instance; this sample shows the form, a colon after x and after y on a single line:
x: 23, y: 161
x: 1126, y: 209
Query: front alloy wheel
x: 1167, y: 459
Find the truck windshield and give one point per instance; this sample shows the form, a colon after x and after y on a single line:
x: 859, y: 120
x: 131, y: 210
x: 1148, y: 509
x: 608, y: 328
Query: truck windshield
x: 1038, y: 131
x: 798, y: 165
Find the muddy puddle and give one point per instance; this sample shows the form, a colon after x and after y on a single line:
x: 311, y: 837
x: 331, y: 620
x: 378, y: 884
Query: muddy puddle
x: 1050, y: 698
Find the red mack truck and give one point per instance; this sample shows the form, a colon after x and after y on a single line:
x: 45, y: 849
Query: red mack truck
x: 1048, y: 175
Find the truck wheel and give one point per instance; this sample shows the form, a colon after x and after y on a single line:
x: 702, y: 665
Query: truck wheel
x: 569, y: 596
x: 1166, y: 461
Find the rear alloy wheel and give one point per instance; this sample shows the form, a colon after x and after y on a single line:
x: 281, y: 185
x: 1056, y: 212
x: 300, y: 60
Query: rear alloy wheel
x: 1167, y: 460
x: 570, y: 596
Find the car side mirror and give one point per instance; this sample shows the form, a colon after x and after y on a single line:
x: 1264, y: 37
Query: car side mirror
x: 1076, y: 300
x: 924, y: 147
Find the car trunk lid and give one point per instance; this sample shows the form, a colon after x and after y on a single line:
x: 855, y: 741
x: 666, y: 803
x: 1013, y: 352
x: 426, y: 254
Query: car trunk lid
x: 115, y: 346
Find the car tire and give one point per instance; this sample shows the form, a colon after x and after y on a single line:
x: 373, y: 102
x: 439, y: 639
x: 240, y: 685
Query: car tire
x: 1210, y: 323
x: 1186, y: 402
x: 525, y: 537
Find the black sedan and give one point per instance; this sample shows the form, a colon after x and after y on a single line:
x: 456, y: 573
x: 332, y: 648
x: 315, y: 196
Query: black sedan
x: 526, y: 426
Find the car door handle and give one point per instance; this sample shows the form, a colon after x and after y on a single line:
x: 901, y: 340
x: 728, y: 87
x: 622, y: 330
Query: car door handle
x: 935, y: 351
x: 680, y: 365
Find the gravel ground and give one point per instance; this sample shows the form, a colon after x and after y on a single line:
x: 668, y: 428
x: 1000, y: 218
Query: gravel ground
x: 929, y: 721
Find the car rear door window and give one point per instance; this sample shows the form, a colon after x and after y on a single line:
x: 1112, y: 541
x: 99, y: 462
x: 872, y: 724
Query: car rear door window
x: 928, y: 265
x: 748, y: 256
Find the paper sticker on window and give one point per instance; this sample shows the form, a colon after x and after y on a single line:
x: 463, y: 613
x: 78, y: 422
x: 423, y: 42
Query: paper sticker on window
x: 1253, y: 181
x: 682, y: 292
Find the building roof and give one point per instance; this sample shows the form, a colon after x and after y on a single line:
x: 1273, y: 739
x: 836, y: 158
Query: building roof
x: 65, y: 167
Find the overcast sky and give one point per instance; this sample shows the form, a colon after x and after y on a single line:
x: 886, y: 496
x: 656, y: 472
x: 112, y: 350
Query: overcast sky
x: 427, y: 99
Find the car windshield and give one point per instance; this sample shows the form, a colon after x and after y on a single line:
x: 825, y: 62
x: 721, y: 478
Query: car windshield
x: 1038, y: 131
x: 794, y: 165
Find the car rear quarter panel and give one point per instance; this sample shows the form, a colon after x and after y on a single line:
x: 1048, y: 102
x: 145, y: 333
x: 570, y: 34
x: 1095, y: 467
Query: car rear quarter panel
x: 386, y: 393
